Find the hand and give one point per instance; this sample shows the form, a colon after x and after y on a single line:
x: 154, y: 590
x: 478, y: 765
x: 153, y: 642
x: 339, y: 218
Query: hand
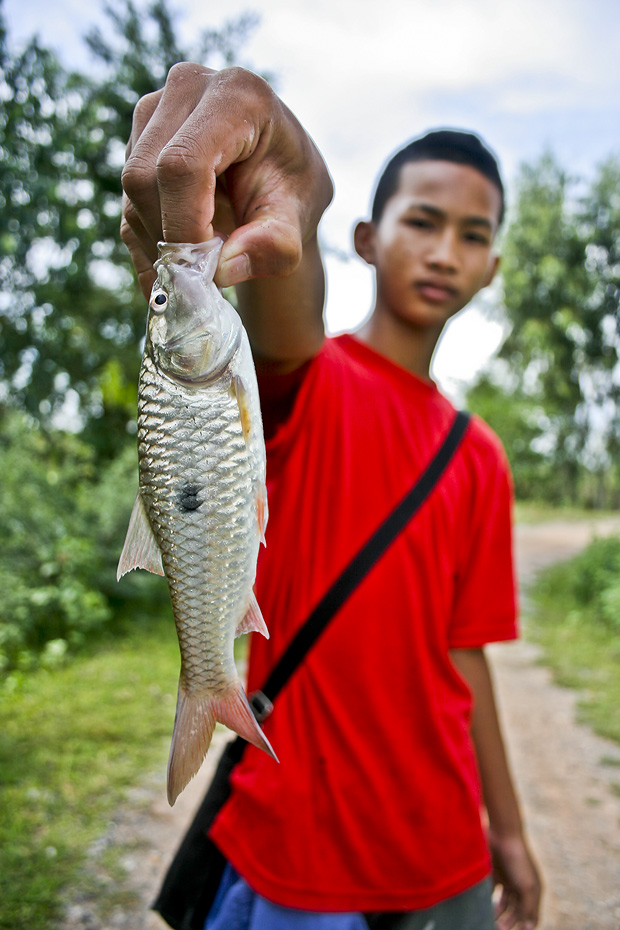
x: 218, y: 151
x: 515, y: 870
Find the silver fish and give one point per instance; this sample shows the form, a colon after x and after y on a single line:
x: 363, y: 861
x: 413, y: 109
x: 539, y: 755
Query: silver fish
x: 201, y: 508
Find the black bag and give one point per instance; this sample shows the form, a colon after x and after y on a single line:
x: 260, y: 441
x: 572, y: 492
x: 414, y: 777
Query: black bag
x: 191, y: 883
x: 192, y: 880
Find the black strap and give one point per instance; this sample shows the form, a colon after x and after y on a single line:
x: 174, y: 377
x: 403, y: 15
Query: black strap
x: 357, y: 569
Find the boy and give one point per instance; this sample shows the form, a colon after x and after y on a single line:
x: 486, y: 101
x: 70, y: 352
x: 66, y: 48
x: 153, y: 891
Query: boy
x: 388, y: 733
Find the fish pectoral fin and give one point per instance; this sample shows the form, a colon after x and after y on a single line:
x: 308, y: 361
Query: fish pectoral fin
x: 140, y: 549
x: 253, y: 622
x: 262, y: 511
x: 193, y: 729
x: 240, y: 392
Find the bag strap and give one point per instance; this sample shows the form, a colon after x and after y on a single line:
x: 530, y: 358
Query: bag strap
x: 357, y: 569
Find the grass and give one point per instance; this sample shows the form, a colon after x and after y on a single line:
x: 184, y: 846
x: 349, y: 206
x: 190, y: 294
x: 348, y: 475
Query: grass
x: 73, y: 740
x: 534, y: 512
x: 582, y: 650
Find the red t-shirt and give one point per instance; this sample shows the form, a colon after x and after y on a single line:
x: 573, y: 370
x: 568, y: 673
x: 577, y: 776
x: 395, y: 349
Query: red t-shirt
x: 375, y: 804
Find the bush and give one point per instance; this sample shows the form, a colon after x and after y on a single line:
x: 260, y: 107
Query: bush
x: 593, y: 583
x: 62, y: 527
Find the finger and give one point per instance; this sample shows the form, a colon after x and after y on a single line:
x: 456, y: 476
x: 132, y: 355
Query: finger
x: 269, y: 246
x: 152, y: 133
x: 143, y: 111
x: 225, y: 127
x: 142, y: 115
x: 132, y: 219
x: 142, y: 261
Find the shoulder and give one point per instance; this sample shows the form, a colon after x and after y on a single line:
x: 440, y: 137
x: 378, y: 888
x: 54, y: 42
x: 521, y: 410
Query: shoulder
x: 484, y: 445
x: 485, y: 470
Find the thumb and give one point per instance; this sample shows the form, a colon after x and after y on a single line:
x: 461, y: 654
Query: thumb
x: 266, y: 247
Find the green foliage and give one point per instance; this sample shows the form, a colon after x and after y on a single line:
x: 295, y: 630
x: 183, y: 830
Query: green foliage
x: 576, y: 618
x: 73, y: 740
x: 62, y: 525
x: 71, y: 316
x: 558, y: 374
x: 595, y: 582
x: 71, y: 324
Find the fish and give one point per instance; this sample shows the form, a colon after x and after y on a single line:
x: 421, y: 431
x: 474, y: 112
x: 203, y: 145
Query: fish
x: 201, y: 509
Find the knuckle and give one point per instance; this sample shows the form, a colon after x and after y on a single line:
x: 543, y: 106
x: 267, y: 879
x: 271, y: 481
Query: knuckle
x: 181, y: 162
x: 184, y: 71
x: 240, y: 80
x: 136, y: 177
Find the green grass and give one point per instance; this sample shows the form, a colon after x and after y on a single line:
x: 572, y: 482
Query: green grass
x: 580, y: 646
x: 534, y: 512
x: 73, y: 740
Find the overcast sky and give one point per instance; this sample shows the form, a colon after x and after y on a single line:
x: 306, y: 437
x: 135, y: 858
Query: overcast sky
x: 363, y: 77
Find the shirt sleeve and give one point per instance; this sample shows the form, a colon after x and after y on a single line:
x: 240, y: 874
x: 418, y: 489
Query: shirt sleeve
x: 277, y: 397
x: 485, y: 604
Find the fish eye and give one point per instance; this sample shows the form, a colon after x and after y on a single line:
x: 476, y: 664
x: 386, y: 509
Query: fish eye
x: 159, y: 302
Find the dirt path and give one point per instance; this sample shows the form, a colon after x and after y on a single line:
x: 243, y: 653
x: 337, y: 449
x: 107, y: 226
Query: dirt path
x: 568, y: 779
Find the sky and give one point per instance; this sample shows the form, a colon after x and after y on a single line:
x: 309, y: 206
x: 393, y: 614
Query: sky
x: 364, y: 76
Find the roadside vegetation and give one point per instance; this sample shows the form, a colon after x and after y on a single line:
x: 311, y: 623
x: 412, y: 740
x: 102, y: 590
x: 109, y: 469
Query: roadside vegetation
x: 575, y: 616
x: 73, y: 739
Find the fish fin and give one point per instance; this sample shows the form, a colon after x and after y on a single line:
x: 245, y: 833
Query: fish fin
x: 194, y: 723
x: 262, y: 511
x: 240, y: 393
x: 253, y: 622
x: 140, y: 549
x: 233, y: 710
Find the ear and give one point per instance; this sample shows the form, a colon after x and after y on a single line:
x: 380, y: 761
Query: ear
x: 492, y: 269
x: 364, y: 241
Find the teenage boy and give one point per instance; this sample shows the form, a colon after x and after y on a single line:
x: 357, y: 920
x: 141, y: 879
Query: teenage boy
x: 388, y: 734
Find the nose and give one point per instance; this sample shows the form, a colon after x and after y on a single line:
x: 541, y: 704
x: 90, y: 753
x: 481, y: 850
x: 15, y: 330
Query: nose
x: 444, y: 252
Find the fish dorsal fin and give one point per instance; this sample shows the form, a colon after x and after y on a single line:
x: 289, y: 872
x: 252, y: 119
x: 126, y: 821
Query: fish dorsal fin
x: 240, y: 393
x: 140, y: 549
x: 253, y: 622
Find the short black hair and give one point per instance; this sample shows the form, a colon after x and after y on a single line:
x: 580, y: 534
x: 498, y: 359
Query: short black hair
x: 455, y: 145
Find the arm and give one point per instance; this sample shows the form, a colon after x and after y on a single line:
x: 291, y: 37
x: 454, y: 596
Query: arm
x: 219, y: 152
x: 513, y: 864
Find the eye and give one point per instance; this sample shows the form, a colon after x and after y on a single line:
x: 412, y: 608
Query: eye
x: 159, y: 301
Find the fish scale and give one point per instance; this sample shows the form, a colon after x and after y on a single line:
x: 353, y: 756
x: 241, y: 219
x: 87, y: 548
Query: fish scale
x: 201, y: 508
x: 202, y: 589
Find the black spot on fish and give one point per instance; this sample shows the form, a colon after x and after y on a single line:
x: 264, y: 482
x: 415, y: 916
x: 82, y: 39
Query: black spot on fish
x: 187, y: 498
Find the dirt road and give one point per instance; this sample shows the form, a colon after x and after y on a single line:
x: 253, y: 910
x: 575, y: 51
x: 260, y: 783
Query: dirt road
x: 568, y: 780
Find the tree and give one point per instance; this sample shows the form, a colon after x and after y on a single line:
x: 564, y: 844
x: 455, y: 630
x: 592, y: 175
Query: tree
x: 560, y: 281
x: 71, y: 316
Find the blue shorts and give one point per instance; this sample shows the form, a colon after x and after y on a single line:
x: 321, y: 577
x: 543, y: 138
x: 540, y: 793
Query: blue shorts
x: 237, y: 907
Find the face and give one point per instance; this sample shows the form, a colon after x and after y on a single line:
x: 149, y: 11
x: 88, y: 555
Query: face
x: 432, y: 248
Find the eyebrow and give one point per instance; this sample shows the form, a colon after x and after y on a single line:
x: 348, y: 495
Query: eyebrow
x: 441, y: 214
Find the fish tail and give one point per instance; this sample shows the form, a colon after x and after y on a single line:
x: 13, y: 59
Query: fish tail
x: 194, y: 723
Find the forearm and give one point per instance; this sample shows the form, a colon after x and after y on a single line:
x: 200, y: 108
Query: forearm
x: 497, y: 785
x: 513, y: 865
x: 284, y: 316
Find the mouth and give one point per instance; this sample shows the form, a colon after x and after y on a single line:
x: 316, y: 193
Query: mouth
x: 435, y: 292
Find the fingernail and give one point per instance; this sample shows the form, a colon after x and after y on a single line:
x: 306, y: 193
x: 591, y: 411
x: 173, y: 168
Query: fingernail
x: 234, y: 270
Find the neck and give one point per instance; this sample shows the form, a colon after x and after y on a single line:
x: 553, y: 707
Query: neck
x: 411, y: 348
